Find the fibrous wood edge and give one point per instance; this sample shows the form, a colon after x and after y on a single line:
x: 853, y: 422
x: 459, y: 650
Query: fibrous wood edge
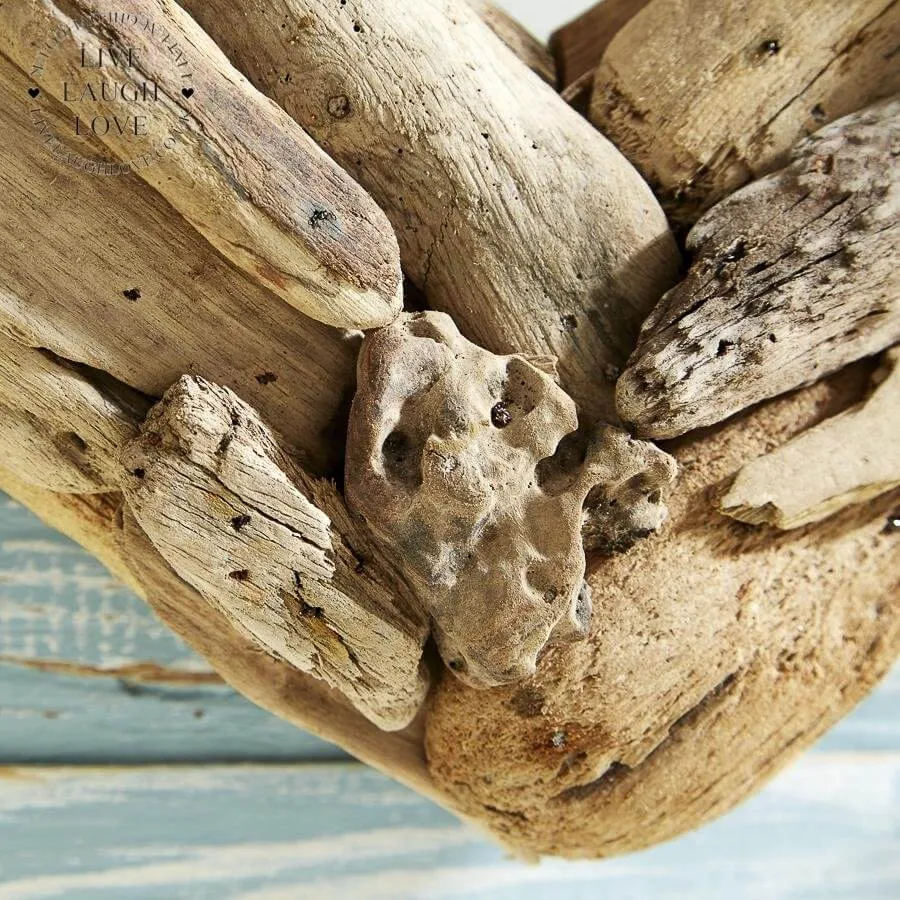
x: 717, y: 653
x: 518, y: 38
x: 155, y: 267
x: 264, y: 194
x: 793, y: 277
x: 513, y: 214
x: 848, y: 459
x: 680, y: 82
x: 578, y: 46
x: 273, y: 549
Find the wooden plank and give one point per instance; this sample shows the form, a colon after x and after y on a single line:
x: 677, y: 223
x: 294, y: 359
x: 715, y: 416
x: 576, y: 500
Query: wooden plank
x: 824, y: 829
x: 89, y: 674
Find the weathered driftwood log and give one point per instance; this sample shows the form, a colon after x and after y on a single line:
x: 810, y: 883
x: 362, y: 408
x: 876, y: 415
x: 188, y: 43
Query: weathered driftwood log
x: 793, y: 277
x: 704, y: 96
x: 80, y: 252
x: 519, y: 39
x: 262, y: 193
x: 459, y: 461
x: 274, y: 550
x: 848, y: 459
x: 512, y: 213
x: 578, y: 46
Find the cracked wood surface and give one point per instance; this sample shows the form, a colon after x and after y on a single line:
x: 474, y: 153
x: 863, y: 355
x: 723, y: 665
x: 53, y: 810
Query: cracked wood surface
x: 56, y: 286
x: 705, y: 96
x: 793, y: 277
x: 845, y: 460
x: 274, y: 550
x: 513, y: 214
x: 235, y: 165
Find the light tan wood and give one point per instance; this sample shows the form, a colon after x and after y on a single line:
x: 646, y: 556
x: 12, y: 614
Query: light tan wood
x: 704, y: 96
x: 78, y: 248
x: 513, y: 214
x: 263, y: 193
x: 273, y: 549
x: 846, y: 460
x: 578, y: 46
x: 518, y: 38
x: 793, y: 277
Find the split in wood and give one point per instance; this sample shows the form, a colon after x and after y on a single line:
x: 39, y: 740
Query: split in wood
x: 848, y: 459
x: 513, y: 214
x: 274, y: 550
x: 262, y: 193
x: 794, y: 277
x: 468, y: 466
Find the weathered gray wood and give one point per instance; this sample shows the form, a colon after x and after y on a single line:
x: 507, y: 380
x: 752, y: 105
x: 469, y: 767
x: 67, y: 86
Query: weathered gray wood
x: 793, y: 277
x: 80, y: 251
x: 262, y: 193
x: 273, y: 549
x: 513, y: 214
x: 847, y: 459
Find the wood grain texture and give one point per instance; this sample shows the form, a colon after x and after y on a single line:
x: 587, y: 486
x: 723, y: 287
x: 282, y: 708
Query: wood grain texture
x: 825, y: 830
x: 76, y: 249
x: 705, y: 96
x: 579, y: 45
x: 793, y: 277
x: 518, y: 38
x: 513, y: 214
x: 230, y: 161
x: 848, y: 459
x: 274, y: 550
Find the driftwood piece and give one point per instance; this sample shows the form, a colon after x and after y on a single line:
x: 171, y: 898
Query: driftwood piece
x: 272, y: 549
x: 168, y: 303
x: 848, y: 459
x: 262, y: 193
x: 61, y: 427
x: 578, y: 46
x: 794, y: 276
x: 519, y: 39
x: 513, y: 214
x: 452, y: 462
x: 705, y: 96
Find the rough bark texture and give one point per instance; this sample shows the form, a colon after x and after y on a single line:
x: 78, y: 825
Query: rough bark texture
x: 463, y: 463
x: 704, y: 96
x: 80, y: 250
x: 579, y: 45
x: 273, y: 549
x: 717, y: 653
x: 512, y: 213
x: 845, y: 460
x: 518, y: 38
x: 262, y: 193
x: 794, y: 276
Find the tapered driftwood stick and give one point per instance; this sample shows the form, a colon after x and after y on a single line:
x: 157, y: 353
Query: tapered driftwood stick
x: 167, y: 303
x: 274, y: 550
x: 793, y: 277
x: 519, y: 39
x: 578, y: 46
x: 262, y: 193
x: 845, y: 460
x: 779, y: 70
x: 512, y: 213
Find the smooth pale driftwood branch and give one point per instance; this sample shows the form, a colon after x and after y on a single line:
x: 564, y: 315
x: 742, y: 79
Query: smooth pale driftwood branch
x: 274, y: 550
x: 578, y: 46
x: 158, y: 301
x: 847, y: 459
x: 513, y: 214
x: 61, y: 426
x: 518, y: 38
x: 464, y: 464
x: 262, y: 193
x: 781, y: 70
x: 794, y: 276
